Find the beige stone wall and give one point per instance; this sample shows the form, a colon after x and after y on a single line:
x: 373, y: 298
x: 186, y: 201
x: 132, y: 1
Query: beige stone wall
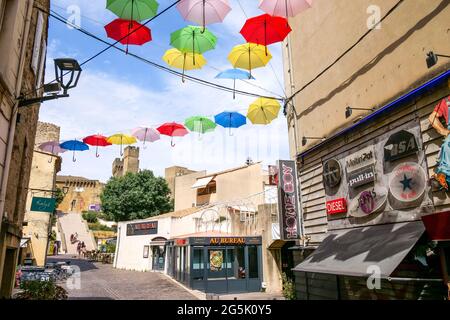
x: 186, y: 197
x: 389, y: 62
x: 46, y: 132
x: 171, y: 173
x: 82, y: 191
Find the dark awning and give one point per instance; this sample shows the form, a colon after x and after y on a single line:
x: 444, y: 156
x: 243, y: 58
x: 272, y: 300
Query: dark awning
x: 351, y: 251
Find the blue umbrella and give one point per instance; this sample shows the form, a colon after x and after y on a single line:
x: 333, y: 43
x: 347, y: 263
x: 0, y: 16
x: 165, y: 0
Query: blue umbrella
x: 74, y: 145
x: 230, y: 120
x: 235, y: 74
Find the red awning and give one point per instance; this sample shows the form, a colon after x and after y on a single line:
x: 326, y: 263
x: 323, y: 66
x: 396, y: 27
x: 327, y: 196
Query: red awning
x: 438, y: 226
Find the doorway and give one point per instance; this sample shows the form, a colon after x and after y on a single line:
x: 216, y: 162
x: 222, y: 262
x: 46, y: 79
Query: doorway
x: 158, y: 260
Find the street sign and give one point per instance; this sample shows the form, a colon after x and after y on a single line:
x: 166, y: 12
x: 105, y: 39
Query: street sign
x: 43, y: 204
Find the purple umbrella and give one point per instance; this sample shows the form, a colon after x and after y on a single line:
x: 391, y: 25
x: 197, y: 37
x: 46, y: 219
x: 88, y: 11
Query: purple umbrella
x: 52, y: 147
x: 146, y: 134
x: 204, y: 12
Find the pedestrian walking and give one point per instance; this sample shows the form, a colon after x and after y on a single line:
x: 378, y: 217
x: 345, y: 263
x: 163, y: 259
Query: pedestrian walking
x: 79, y: 249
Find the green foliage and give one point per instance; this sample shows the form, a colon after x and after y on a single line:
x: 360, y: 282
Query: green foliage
x: 59, y: 195
x: 136, y: 196
x: 41, y: 290
x: 110, y: 247
x: 90, y: 216
x: 96, y: 226
x: 289, y: 292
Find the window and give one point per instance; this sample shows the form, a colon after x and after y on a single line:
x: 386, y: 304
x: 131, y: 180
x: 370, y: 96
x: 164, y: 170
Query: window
x: 253, y: 262
x: 2, y: 12
x: 146, y: 250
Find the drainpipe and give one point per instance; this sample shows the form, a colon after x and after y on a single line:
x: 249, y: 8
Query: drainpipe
x: 12, y: 124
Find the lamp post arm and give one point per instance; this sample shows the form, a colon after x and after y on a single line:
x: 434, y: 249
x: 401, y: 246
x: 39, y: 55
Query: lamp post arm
x: 27, y: 102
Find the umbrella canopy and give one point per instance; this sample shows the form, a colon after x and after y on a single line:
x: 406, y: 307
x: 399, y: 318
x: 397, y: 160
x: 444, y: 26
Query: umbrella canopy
x: 265, y: 29
x: 97, y: 140
x: 193, y: 39
x: 121, y: 139
x: 74, y: 145
x: 128, y: 32
x: 200, y: 124
x: 133, y: 9
x: 249, y: 56
x: 285, y: 8
x: 204, y: 12
x: 263, y: 111
x: 146, y: 134
x: 183, y: 60
x: 230, y: 120
x: 234, y: 74
x: 51, y: 147
x: 173, y: 129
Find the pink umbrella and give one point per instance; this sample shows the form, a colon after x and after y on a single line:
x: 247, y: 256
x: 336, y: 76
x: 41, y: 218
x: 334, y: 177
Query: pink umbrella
x: 146, y: 134
x: 285, y: 8
x: 51, y: 147
x: 204, y: 12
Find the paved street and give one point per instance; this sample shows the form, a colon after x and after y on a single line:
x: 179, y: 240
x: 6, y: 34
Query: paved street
x: 103, y: 282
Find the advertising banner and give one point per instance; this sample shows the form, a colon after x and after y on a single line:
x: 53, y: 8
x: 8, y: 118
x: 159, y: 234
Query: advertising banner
x: 43, y: 204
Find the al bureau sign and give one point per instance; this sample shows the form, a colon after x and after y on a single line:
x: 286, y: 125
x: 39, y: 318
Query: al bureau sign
x: 407, y: 182
x: 288, y: 200
x: 43, y: 204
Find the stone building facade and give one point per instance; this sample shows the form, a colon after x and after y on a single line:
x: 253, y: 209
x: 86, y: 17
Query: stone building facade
x: 83, y: 194
x: 176, y: 171
x: 45, y: 166
x: 23, y: 37
x: 129, y: 162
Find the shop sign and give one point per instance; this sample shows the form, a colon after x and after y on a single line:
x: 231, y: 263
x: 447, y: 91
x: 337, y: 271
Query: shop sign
x: 180, y: 242
x: 337, y: 206
x: 400, y: 145
x: 360, y: 159
x: 142, y: 228
x: 407, y: 182
x: 288, y: 200
x: 368, y: 202
x: 43, y: 204
x: 227, y: 241
x: 273, y: 175
x: 361, y: 177
x: 332, y: 173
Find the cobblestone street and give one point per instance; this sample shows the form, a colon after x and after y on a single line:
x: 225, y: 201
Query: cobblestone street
x: 102, y: 282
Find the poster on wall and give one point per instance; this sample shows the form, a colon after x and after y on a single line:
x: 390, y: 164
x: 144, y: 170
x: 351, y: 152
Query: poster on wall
x: 288, y: 206
x: 216, y: 260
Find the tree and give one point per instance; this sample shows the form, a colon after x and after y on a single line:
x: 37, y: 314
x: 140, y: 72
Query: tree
x: 136, y: 196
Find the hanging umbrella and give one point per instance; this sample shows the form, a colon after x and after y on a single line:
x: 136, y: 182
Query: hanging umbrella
x: 285, y: 8
x: 265, y: 29
x: 230, y: 120
x: 182, y: 60
x: 263, y: 111
x: 249, y: 56
x: 133, y: 9
x: 51, y: 147
x: 173, y: 129
x: 146, y: 134
x: 97, y: 140
x: 128, y: 32
x: 204, y: 12
x: 74, y: 145
x: 234, y: 74
x: 121, y: 139
x: 200, y: 124
x: 193, y: 39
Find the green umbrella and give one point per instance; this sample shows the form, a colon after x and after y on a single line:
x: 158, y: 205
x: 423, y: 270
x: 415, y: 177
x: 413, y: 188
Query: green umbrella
x: 200, y: 124
x: 133, y: 9
x: 193, y: 39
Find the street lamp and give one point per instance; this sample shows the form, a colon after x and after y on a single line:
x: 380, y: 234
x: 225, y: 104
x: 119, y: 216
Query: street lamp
x: 432, y: 58
x: 67, y: 73
x: 348, y: 111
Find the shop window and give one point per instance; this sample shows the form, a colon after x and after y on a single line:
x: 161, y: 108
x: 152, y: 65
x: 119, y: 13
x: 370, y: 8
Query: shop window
x: 253, y: 262
x: 238, y: 263
x: 197, y: 263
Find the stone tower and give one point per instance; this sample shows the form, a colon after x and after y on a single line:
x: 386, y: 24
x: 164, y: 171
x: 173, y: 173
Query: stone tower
x: 129, y: 163
x: 46, y: 132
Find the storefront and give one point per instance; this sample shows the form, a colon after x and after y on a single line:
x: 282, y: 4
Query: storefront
x: 221, y: 264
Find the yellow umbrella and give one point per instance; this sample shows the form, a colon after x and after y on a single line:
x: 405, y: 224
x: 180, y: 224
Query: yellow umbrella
x: 184, y: 60
x: 249, y: 56
x: 263, y: 111
x: 121, y: 139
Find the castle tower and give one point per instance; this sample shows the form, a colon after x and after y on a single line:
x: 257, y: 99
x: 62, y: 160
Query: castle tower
x: 131, y: 160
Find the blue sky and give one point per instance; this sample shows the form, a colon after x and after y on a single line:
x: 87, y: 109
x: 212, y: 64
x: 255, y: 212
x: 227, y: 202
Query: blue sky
x: 117, y: 93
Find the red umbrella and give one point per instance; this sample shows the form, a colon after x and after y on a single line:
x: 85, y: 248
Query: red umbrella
x: 173, y: 129
x: 96, y: 140
x: 128, y: 32
x: 265, y: 29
